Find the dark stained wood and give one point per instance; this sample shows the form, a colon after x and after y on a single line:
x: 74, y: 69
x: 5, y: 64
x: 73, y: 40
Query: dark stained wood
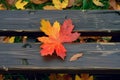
x: 104, y: 20
x: 96, y: 58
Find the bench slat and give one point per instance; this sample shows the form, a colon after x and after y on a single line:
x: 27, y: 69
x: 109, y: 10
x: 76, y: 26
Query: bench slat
x: 105, y: 20
x: 95, y: 57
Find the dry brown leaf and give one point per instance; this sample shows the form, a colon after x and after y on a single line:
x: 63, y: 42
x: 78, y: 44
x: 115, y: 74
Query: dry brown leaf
x: 118, y: 7
x: 6, y: 39
x: 114, y: 5
x: 1, y: 77
x: 76, y: 56
x: 38, y: 1
x: 2, y: 39
x: 49, y: 7
x: 53, y: 76
x: 11, y: 2
x: 70, y: 3
x: 60, y: 77
x: 63, y: 77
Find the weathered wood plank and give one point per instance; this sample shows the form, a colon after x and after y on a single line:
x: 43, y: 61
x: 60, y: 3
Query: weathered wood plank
x: 83, y: 20
x: 96, y: 57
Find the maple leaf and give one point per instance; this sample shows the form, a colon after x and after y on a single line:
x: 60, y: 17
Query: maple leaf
x: 84, y: 77
x: 66, y: 34
x: 20, y: 4
x: 60, y: 5
x: 56, y: 35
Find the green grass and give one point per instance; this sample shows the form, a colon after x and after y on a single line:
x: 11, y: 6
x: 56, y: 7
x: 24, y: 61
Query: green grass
x: 85, y: 4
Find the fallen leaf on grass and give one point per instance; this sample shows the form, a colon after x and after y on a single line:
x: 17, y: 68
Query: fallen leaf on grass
x: 20, y: 4
x: 6, y: 39
x: 60, y: 77
x: 60, y: 5
x: 49, y: 7
x: 70, y: 3
x: 52, y: 76
x: 114, y: 5
x: 77, y: 77
x: 84, y: 77
x: 98, y: 3
x: 11, y: 2
x: 2, y: 7
x: 38, y: 1
x: 11, y: 39
x: 76, y: 56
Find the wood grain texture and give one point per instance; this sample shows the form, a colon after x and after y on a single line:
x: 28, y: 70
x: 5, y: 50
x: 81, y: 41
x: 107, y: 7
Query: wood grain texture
x: 104, y: 20
x: 96, y: 57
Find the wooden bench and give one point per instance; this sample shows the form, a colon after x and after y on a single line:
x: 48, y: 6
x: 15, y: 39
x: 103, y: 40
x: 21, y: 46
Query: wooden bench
x: 98, y: 58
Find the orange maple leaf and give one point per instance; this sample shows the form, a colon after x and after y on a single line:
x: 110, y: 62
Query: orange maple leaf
x: 56, y: 35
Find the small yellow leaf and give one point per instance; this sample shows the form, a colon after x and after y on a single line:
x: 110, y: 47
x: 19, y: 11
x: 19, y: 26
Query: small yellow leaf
x: 76, y: 56
x: 60, y: 5
x: 77, y: 77
x: 11, y: 40
x: 20, y: 4
x: 65, y: 3
x: 98, y: 3
x: 85, y: 76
